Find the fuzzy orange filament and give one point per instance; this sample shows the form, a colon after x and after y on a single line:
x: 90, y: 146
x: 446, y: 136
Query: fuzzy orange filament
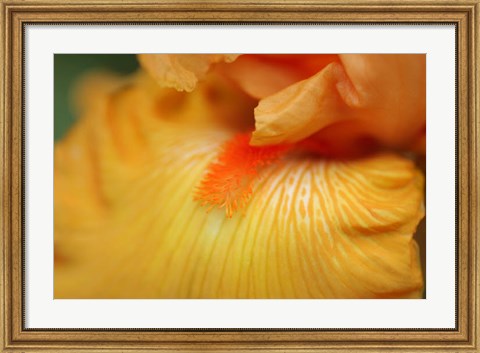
x: 229, y: 180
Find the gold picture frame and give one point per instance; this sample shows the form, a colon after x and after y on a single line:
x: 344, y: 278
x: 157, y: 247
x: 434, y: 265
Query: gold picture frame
x: 464, y: 14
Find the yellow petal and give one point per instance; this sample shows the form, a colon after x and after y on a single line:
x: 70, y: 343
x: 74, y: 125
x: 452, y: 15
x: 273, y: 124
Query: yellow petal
x: 379, y: 96
x: 126, y: 224
x: 181, y: 71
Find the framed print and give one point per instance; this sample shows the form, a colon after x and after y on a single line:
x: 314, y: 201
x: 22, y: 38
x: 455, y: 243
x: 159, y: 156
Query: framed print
x: 231, y: 177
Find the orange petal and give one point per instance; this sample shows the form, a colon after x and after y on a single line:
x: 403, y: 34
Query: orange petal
x: 392, y: 94
x: 380, y: 96
x: 301, y: 109
x: 181, y: 71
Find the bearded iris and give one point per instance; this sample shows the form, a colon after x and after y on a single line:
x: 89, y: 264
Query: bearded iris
x: 244, y: 176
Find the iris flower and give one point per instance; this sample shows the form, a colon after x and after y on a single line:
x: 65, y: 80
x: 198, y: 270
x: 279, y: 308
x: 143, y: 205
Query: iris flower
x: 244, y: 176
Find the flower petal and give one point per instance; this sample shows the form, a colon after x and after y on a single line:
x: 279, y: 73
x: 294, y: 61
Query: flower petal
x: 378, y: 96
x: 181, y: 71
x: 392, y: 89
x: 301, y: 109
x: 127, y: 226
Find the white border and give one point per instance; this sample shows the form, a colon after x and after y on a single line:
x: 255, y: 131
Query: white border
x: 437, y: 311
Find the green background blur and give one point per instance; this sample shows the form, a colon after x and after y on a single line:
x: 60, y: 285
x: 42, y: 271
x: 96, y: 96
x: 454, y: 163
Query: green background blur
x: 68, y: 68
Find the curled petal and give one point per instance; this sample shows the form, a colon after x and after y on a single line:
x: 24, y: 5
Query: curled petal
x: 302, y: 109
x: 181, y: 71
